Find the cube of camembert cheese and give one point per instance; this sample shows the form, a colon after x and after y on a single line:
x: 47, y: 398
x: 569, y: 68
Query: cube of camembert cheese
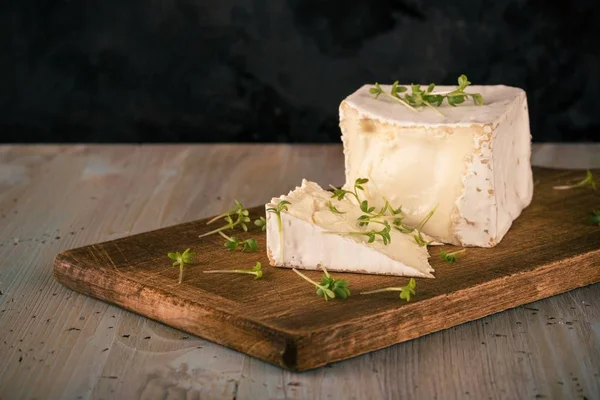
x: 473, y: 162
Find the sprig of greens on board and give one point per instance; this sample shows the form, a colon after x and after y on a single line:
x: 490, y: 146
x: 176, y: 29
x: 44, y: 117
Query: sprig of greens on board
x: 256, y: 271
x: 405, y: 291
x: 587, y: 181
x: 419, y: 97
x: 240, y: 214
x: 181, y: 259
x: 237, y: 216
x: 451, y: 256
x: 233, y: 243
x: 329, y: 288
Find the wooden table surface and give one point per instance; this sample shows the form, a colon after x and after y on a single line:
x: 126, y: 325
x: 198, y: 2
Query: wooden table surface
x: 57, y: 344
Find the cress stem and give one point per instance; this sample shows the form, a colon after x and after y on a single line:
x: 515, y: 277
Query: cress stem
x: 216, y: 218
x: 388, y: 289
x: 307, y: 278
x: 404, y: 103
x: 456, y: 252
x: 228, y: 226
x: 224, y: 235
x: 233, y: 271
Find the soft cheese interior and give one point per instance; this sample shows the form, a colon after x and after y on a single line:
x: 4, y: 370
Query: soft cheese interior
x: 312, y: 237
x: 473, y: 163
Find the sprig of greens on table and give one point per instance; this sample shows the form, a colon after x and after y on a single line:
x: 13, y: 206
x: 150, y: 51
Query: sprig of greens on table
x: 387, y: 216
x: 427, y: 97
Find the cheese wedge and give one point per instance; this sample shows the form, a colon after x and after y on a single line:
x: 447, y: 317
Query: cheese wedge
x: 313, y: 236
x: 473, y: 162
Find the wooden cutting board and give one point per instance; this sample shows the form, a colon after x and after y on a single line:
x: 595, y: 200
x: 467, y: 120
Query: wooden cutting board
x: 549, y: 250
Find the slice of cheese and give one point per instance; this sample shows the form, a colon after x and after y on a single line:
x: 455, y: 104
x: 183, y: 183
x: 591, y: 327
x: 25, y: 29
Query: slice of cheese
x: 312, y: 236
x: 473, y: 162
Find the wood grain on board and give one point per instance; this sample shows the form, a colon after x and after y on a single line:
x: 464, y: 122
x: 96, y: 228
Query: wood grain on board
x: 549, y: 250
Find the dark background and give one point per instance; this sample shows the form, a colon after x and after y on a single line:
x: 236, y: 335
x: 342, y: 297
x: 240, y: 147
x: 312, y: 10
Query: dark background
x: 276, y: 70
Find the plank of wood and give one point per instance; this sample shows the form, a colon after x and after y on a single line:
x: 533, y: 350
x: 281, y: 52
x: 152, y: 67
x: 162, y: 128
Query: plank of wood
x: 278, y: 319
x: 548, y: 348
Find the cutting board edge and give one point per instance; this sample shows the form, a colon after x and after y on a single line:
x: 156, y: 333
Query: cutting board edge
x: 279, y: 347
x: 295, y: 350
x: 438, y: 302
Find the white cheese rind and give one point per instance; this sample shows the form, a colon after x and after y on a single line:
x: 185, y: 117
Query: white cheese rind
x: 496, y: 97
x: 474, y: 163
x: 306, y: 245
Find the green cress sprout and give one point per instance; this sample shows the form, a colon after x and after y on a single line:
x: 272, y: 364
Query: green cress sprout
x: 384, y: 216
x: 405, y: 291
x: 587, y: 181
x: 329, y: 288
x: 256, y: 271
x: 180, y: 259
x: 427, y: 97
x: 232, y: 243
x: 241, y: 216
x: 451, y: 257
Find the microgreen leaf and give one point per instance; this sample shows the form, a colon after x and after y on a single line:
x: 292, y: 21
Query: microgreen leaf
x: 261, y: 223
x: 408, y: 290
x: 463, y: 82
x: 180, y: 259
x: 338, y: 286
x: 364, y: 206
x: 451, y: 257
x: 341, y: 193
x: 376, y: 91
x: 587, y: 181
x: 405, y: 291
x: 233, y: 243
x: 256, y: 271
